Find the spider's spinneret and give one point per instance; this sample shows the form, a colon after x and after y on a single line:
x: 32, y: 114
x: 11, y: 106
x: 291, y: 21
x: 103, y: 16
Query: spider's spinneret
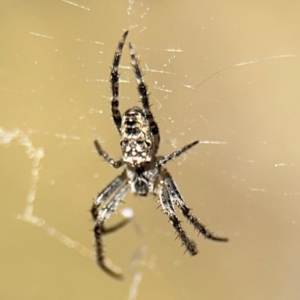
x: 136, y: 138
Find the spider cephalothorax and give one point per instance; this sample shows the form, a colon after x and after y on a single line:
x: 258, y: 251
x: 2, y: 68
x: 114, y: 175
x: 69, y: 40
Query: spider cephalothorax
x: 144, y: 173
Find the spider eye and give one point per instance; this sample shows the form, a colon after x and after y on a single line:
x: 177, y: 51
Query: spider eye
x: 148, y: 143
x: 140, y: 142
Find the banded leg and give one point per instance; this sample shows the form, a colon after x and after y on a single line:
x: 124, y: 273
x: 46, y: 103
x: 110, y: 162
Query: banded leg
x: 144, y: 96
x: 107, y: 192
x: 168, y: 209
x: 177, y: 199
x: 165, y: 159
x: 99, y: 230
x: 103, y: 196
x: 116, y: 164
x: 114, y: 79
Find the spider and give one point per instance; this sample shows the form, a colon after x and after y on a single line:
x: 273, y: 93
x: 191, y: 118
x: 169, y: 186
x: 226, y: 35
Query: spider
x: 144, y: 173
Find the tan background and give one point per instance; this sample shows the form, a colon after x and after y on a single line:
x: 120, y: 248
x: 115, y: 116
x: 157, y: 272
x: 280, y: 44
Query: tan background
x: 242, y: 181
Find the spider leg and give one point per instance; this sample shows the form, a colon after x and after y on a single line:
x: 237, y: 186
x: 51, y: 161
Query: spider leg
x: 144, y: 96
x: 116, y: 164
x: 106, y: 193
x: 165, y: 159
x: 99, y: 230
x: 176, y: 197
x: 103, y: 196
x: 168, y: 209
x: 114, y: 79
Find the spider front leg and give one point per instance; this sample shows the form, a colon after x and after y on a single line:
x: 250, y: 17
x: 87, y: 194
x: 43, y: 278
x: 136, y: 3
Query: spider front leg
x: 168, y: 209
x: 103, y: 196
x: 99, y: 229
x: 116, y: 164
x: 177, y: 199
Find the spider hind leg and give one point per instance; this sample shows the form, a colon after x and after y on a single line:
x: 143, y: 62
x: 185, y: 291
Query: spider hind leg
x: 144, y: 96
x: 114, y: 79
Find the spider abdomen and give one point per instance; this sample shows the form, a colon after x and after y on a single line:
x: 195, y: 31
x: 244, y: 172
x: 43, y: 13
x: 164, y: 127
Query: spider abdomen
x: 136, y: 138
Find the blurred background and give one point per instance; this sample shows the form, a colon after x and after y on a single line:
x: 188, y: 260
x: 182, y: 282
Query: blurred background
x: 226, y: 73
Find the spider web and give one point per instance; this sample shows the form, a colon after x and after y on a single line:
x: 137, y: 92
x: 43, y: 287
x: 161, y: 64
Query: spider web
x: 227, y: 75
